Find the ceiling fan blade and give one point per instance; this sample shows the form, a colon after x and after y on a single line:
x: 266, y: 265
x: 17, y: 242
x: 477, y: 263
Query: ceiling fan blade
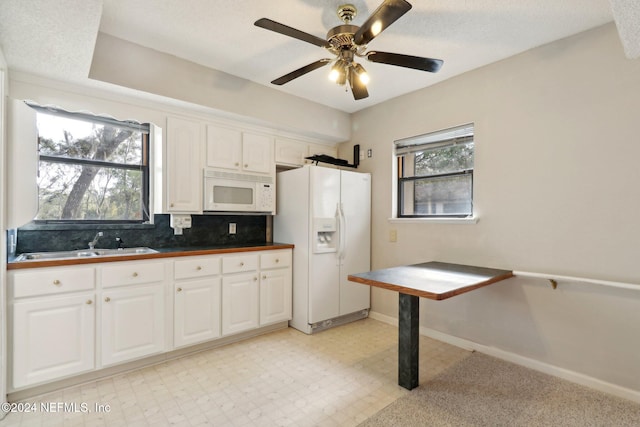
x: 291, y: 32
x: 300, y: 72
x: 408, y: 61
x: 358, y: 89
x: 386, y: 14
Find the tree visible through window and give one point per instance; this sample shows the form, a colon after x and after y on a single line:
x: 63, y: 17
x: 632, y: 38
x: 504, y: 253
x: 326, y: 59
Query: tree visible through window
x: 91, y: 168
x: 435, y: 174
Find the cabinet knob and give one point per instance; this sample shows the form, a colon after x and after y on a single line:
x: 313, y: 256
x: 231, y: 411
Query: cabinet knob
x: 237, y: 164
x: 56, y: 282
x: 264, y: 276
x: 277, y: 260
x: 171, y: 205
x: 198, y: 268
x: 107, y: 299
x: 241, y: 264
x: 246, y: 166
x: 255, y: 279
x: 89, y: 302
x: 179, y: 289
x: 135, y: 274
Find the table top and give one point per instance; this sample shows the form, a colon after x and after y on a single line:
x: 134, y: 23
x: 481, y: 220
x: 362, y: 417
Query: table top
x: 432, y: 280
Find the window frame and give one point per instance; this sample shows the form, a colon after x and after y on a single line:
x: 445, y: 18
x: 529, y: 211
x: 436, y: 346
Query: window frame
x: 432, y: 140
x: 144, y: 167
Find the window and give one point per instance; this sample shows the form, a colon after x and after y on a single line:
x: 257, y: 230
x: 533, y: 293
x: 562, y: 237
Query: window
x: 91, y: 168
x: 435, y: 174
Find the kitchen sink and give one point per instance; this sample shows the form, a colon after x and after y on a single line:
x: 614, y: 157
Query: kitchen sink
x: 83, y: 253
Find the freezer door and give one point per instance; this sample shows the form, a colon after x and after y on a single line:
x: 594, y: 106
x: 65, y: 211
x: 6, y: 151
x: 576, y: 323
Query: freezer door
x: 355, y: 190
x: 324, y: 282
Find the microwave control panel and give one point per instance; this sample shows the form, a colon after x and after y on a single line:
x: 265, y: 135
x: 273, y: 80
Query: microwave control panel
x: 265, y: 197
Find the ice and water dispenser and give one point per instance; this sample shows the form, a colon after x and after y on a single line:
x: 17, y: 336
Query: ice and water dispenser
x: 325, y: 235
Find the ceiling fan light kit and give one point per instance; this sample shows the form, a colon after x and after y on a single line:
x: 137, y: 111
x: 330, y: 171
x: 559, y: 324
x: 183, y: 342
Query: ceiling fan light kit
x: 349, y: 41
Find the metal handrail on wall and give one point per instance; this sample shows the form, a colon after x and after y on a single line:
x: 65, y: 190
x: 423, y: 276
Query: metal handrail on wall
x: 553, y: 278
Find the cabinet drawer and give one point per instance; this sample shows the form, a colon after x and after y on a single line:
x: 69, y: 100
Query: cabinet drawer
x: 277, y: 259
x: 51, y: 281
x: 132, y: 273
x: 239, y: 263
x: 196, y: 267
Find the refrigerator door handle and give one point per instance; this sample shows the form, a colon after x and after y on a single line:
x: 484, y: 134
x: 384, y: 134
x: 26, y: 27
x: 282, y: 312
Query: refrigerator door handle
x: 339, y: 222
x: 343, y: 234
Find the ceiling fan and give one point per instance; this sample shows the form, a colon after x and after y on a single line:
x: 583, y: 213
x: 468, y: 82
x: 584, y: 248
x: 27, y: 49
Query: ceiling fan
x: 348, y: 41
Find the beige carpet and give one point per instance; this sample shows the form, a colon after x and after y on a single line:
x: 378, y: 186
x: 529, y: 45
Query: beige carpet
x: 485, y: 391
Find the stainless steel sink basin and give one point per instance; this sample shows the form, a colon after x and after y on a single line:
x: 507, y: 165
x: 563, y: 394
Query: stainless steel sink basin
x: 83, y: 253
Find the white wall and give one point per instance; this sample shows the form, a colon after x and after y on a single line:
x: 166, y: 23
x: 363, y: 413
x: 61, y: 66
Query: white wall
x: 556, y: 189
x: 145, y: 69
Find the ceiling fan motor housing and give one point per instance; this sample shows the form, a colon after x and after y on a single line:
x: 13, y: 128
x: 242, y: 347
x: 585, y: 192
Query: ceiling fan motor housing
x: 341, y: 37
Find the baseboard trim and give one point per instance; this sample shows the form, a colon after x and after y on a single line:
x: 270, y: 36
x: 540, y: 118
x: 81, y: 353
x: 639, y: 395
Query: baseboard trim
x: 527, y: 362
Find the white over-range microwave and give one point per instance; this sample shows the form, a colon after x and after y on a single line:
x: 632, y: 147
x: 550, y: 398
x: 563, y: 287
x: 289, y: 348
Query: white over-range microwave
x: 238, y: 192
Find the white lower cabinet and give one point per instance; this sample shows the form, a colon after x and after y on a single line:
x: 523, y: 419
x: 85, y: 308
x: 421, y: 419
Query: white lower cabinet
x: 52, y: 338
x: 51, y: 323
x: 275, y: 287
x: 70, y: 320
x: 132, y: 323
x: 239, y: 302
x: 196, y: 300
x: 133, y: 310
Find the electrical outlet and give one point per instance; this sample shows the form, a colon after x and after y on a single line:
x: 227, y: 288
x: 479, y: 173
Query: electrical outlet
x: 232, y: 228
x: 369, y: 152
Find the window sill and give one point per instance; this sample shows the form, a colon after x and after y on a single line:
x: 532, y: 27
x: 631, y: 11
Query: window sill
x: 468, y: 220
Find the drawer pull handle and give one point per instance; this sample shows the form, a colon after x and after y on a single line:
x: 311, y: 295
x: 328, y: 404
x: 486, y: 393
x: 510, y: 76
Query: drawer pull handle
x: 198, y: 268
x: 107, y: 299
x: 56, y: 282
x: 179, y: 289
x: 135, y: 274
x: 89, y: 302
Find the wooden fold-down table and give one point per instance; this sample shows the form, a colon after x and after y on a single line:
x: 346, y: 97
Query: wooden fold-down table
x: 433, y: 280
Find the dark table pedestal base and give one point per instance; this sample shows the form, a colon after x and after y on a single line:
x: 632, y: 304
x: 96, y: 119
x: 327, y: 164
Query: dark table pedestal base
x: 408, y: 326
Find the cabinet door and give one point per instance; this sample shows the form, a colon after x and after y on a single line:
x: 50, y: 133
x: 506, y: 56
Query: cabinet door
x: 224, y: 148
x: 52, y: 338
x: 239, y: 303
x: 257, y: 153
x: 275, y: 296
x: 183, y: 166
x: 132, y: 323
x: 317, y: 149
x: 290, y: 152
x: 196, y: 311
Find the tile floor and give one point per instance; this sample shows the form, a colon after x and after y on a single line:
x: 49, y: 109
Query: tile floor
x: 338, y: 377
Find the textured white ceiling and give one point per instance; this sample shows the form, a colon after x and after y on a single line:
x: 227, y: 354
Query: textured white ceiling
x: 56, y: 37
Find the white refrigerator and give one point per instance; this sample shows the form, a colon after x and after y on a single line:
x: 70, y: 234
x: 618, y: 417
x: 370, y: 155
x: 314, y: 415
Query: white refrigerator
x: 326, y: 214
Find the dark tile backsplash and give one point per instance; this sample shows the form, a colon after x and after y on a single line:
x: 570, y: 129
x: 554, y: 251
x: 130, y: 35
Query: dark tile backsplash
x: 206, y: 230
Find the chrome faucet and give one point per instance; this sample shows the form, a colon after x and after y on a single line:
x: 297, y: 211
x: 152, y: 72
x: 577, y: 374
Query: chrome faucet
x: 92, y: 244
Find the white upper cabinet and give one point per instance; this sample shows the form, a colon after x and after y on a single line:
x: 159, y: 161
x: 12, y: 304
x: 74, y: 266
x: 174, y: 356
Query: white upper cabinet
x: 224, y: 148
x: 315, y: 149
x: 290, y: 152
x: 183, y: 167
x: 257, y: 153
x: 234, y: 150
